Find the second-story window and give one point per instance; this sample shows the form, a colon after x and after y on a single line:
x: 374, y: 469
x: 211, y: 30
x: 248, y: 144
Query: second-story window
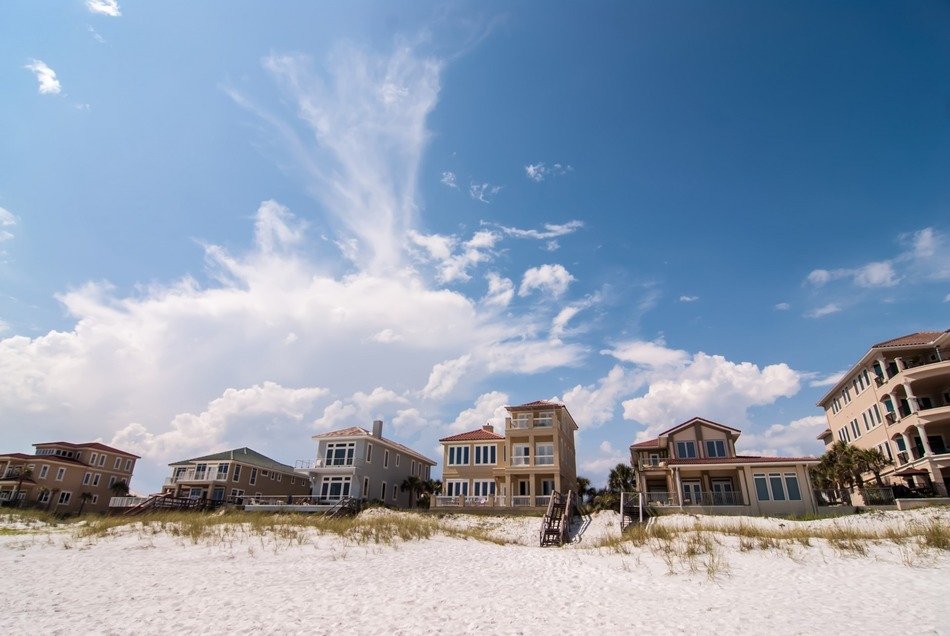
x: 544, y: 454
x: 339, y: 453
x: 715, y: 448
x: 369, y: 453
x: 458, y: 455
x: 44, y: 470
x: 237, y: 472
x: 253, y: 478
x: 545, y: 419
x: 686, y: 450
x: 223, y: 472
x: 385, y: 459
x: 485, y: 454
x: 60, y: 473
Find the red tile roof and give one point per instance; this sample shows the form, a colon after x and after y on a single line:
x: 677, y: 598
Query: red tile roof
x: 650, y: 443
x: 739, y: 459
x: 93, y: 445
x: 477, y: 435
x: 919, y: 338
x: 701, y: 419
x: 534, y: 405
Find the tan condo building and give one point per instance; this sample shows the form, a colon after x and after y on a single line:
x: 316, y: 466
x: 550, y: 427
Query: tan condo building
x: 234, y: 476
x: 694, y: 466
x: 64, y: 477
x: 896, y: 398
x: 522, y: 468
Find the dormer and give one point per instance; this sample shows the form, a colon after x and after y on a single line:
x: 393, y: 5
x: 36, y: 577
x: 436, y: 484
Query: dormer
x: 696, y: 438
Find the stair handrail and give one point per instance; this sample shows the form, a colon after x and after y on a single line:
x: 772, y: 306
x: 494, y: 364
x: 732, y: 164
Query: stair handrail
x: 567, y: 515
x: 546, y: 519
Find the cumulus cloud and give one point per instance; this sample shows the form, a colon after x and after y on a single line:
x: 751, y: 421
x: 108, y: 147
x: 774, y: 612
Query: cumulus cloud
x: 553, y: 279
x: 795, y: 439
x: 455, y: 258
x: 648, y: 354
x: 681, y: 386
x: 597, y: 468
x: 783, y: 306
x: 500, y: 290
x: 483, y: 192
x: 563, y: 317
x: 538, y: 172
x: 104, y: 7
x: 445, y: 375
x: 489, y: 408
x: 596, y: 404
x: 360, y: 409
x: 46, y: 77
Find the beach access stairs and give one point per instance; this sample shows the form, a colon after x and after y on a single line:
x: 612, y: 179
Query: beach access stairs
x: 346, y: 507
x: 168, y: 502
x: 633, y: 509
x: 556, y: 523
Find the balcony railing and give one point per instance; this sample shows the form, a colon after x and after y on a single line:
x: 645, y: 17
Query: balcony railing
x: 891, y: 417
x: 520, y: 461
x: 651, y: 463
x: 193, y: 475
x: 487, y: 501
x: 521, y: 501
x: 544, y: 460
x: 660, y: 498
x: 713, y: 499
x: 903, y: 457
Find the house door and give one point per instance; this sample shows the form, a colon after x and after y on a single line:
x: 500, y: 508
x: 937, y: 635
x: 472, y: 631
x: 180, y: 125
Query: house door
x: 692, y: 493
x: 523, y: 489
x: 723, y: 494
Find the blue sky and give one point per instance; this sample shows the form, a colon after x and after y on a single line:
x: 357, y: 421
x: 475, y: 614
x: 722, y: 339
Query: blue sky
x: 228, y: 224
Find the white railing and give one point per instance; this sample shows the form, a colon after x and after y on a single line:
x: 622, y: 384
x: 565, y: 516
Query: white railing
x: 520, y: 461
x: 542, y: 501
x: 519, y: 423
x: 651, y: 462
x: 521, y: 502
x: 447, y: 501
x: 126, y: 502
x: 544, y: 460
x: 193, y: 475
x: 500, y: 501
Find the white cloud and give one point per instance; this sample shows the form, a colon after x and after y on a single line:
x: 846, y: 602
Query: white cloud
x: 648, y: 354
x: 538, y: 172
x: 795, y: 439
x: 360, y: 409
x: 104, y: 7
x: 445, y: 375
x: 828, y: 380
x: 688, y: 299
x: 551, y: 230
x: 455, y: 258
x: 783, y: 306
x: 879, y: 274
x: 707, y: 386
x: 386, y: 336
x: 46, y: 77
x: 7, y: 219
x: 489, y: 409
x: 819, y: 277
x: 824, y: 310
x: 598, y: 467
x: 448, y: 179
x: 551, y: 278
x: 596, y: 404
x: 95, y: 35
x: 500, y: 290
x: 483, y: 192
x: 563, y: 317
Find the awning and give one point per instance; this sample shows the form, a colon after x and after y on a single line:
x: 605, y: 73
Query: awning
x: 911, y: 472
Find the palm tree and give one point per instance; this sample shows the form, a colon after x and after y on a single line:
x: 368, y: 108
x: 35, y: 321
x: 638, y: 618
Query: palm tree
x: 83, y: 498
x: 872, y: 460
x: 584, y: 490
x: 25, y: 472
x: 415, y: 486
x: 119, y: 488
x: 621, y: 479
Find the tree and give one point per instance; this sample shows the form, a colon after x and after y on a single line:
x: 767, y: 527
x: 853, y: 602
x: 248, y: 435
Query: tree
x: 872, y: 460
x: 24, y: 472
x: 415, y: 486
x: 83, y: 498
x: 585, y: 492
x: 119, y: 488
x: 621, y: 479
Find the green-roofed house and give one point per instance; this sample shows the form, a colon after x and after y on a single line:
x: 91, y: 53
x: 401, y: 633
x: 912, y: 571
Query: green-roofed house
x: 233, y: 475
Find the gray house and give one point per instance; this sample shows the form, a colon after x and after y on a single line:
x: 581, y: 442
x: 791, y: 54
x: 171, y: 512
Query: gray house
x: 354, y: 462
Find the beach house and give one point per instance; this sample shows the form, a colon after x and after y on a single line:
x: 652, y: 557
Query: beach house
x: 522, y: 468
x: 695, y: 466
x: 361, y: 464
x: 64, y: 477
x: 233, y: 475
x: 896, y: 399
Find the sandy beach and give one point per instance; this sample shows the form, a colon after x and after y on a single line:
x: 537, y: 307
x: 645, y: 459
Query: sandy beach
x: 145, y: 579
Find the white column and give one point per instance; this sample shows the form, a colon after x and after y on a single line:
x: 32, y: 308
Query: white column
x: 923, y: 440
x: 911, y: 400
x: 679, y: 486
x: 907, y: 447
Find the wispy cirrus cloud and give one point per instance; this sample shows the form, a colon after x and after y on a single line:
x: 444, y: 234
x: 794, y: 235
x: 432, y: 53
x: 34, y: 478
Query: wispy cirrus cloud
x: 45, y: 77
x: 448, y: 180
x: 549, y: 231
x: 483, y: 192
x: 7, y: 220
x: 540, y: 171
x: 824, y: 310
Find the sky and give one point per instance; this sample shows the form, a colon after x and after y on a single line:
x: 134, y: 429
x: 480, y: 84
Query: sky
x: 232, y: 224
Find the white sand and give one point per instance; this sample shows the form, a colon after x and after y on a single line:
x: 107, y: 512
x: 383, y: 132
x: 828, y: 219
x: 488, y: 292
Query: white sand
x: 148, y: 582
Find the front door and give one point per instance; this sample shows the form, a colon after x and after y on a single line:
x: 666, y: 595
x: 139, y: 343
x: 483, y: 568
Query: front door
x: 723, y: 494
x: 692, y: 493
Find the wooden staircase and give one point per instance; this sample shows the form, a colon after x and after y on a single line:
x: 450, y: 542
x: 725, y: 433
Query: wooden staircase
x: 556, y: 523
x: 167, y: 502
x: 346, y: 507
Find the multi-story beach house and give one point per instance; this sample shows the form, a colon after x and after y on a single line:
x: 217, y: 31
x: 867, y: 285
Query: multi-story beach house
x: 234, y: 475
x: 694, y: 466
x: 896, y: 398
x: 522, y: 468
x: 64, y: 477
x: 361, y: 464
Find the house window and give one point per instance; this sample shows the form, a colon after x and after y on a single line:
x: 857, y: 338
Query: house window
x: 520, y: 455
x: 395, y: 492
x: 835, y: 406
x: 236, y: 492
x: 339, y: 454
x: 521, y: 420
x: 386, y: 458
x: 855, y: 428
x: 544, y: 454
x: 761, y: 488
x: 775, y: 483
x: 86, y: 478
x: 253, y: 478
x: 485, y: 454
x: 95, y: 499
x: 456, y: 488
x: 369, y: 453
x: 95, y: 479
x: 484, y: 488
x: 412, y: 467
x: 335, y: 487
x: 111, y: 481
x: 397, y: 460
x: 686, y: 450
x: 458, y: 455
x: 237, y: 472
x: 44, y: 496
x: 92, y: 459
x: 791, y: 486
x: 544, y: 420
x: 102, y: 460
x: 382, y: 491
x: 366, y: 487
x: 547, y: 487
x: 846, y: 394
x: 118, y: 463
x: 60, y: 473
x: 280, y: 477
x: 222, y: 472
x: 64, y: 497
x: 877, y: 413
x: 715, y: 448
x: 128, y: 465
x: 777, y: 487
x: 44, y: 470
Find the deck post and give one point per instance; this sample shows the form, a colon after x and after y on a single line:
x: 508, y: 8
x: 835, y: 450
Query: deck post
x: 640, y: 497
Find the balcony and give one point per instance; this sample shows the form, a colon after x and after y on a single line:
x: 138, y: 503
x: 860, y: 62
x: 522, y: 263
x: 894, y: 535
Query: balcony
x: 339, y: 466
x: 652, y: 463
x: 193, y: 475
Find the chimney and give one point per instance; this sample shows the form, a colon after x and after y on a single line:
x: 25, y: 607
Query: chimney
x: 488, y: 427
x: 377, y: 428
